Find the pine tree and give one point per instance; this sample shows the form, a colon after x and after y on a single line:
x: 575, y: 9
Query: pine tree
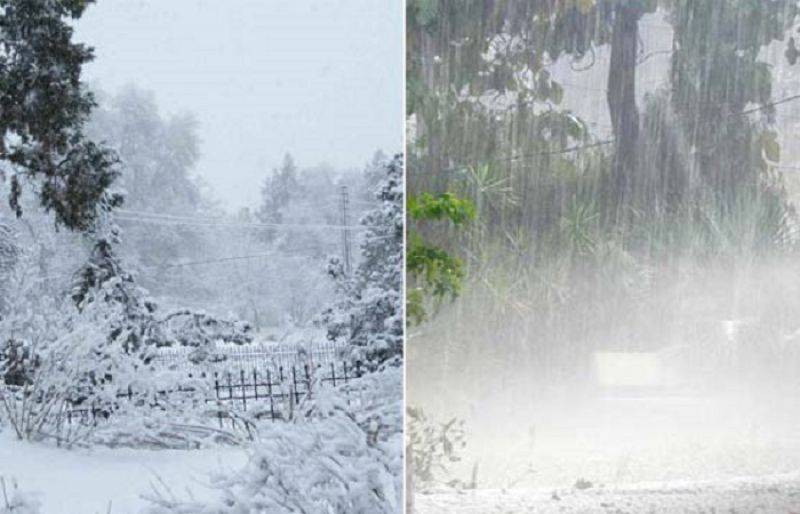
x: 136, y: 323
x: 43, y: 108
x: 104, y: 280
x: 368, y: 313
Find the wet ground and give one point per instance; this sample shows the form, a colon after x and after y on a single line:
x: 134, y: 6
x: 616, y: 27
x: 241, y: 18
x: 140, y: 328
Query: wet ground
x: 760, y: 495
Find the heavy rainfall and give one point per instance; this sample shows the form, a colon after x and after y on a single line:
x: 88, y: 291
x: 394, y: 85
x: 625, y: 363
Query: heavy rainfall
x: 603, y: 255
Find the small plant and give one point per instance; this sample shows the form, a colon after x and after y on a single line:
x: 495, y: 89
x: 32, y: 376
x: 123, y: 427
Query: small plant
x: 433, y: 448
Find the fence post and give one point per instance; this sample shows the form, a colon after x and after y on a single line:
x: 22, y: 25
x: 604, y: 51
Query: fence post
x: 269, y: 391
x: 333, y: 374
x: 216, y: 394
x: 308, y: 380
x: 294, y: 382
x: 244, y: 391
x: 230, y: 393
x: 255, y: 383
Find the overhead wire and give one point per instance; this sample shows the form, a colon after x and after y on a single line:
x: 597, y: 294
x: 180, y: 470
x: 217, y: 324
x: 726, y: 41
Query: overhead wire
x: 578, y: 148
x: 162, y: 219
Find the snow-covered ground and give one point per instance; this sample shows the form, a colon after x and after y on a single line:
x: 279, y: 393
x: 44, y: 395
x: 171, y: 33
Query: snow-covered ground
x: 779, y: 494
x: 86, y: 481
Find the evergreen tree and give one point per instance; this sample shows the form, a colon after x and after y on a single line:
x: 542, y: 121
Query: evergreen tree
x: 368, y: 313
x: 136, y: 325
x: 43, y: 109
x: 373, y: 175
x: 103, y: 280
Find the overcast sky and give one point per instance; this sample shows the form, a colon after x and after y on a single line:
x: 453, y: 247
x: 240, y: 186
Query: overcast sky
x: 321, y: 79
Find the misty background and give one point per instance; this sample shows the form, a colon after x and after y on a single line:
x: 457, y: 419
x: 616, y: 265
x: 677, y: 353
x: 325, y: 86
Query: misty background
x: 242, y: 128
x: 261, y: 79
x: 230, y: 118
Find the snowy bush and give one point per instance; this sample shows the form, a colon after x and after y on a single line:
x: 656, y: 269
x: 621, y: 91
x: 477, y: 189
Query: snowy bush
x: 63, y: 371
x: 15, y: 501
x: 67, y: 361
x: 334, y: 458
x: 203, y: 332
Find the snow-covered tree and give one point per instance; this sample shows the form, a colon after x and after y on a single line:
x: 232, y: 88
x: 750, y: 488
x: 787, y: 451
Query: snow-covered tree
x: 43, y: 109
x: 368, y: 311
x: 52, y: 357
x: 158, y: 153
x: 104, y: 279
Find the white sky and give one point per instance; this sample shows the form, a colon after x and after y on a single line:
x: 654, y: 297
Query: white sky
x: 321, y: 79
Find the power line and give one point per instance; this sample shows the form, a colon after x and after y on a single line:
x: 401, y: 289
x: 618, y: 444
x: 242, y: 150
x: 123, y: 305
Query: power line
x: 174, y: 265
x: 571, y: 149
x: 765, y: 106
x: 193, y: 219
x: 180, y: 264
x: 578, y: 148
x: 157, y: 220
x: 211, y: 261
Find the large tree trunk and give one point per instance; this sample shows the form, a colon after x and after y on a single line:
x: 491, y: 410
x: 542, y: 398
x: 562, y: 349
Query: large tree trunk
x: 622, y: 101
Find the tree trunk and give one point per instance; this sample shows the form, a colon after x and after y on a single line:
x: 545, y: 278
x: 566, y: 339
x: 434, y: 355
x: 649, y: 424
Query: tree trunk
x: 621, y: 97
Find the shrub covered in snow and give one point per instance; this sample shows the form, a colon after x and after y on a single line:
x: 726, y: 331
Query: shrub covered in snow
x: 343, y: 454
x: 62, y: 369
x: 94, y: 355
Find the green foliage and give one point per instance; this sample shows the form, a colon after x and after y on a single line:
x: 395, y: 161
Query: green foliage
x: 444, y: 206
x: 552, y: 253
x: 577, y: 226
x: 433, y: 272
x: 43, y: 109
x: 439, y: 274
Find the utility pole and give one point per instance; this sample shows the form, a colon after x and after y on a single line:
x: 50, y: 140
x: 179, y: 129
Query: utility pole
x: 346, y: 242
